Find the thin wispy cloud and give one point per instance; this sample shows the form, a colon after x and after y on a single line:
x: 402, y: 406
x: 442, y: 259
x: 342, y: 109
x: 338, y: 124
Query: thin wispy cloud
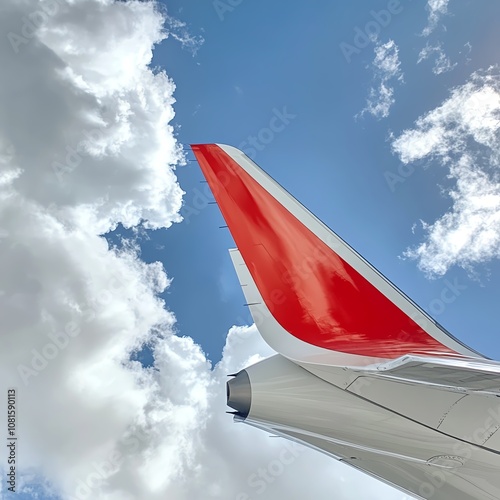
x: 461, y: 135
x: 179, y: 30
x: 437, y: 9
x: 442, y: 63
x: 387, y: 70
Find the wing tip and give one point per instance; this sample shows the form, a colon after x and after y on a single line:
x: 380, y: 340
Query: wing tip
x: 209, y: 145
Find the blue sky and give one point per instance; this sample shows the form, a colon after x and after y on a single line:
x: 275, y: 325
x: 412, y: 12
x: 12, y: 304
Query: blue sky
x: 390, y: 138
x: 335, y: 159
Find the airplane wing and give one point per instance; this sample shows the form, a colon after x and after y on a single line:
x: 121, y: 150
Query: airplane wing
x: 318, y: 289
x: 363, y: 374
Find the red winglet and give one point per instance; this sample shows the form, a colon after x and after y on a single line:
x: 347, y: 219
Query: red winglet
x: 323, y: 300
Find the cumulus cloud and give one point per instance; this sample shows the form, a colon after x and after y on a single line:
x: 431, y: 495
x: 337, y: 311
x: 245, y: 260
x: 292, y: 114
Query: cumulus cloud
x: 86, y: 143
x: 462, y: 134
x: 92, y: 113
x: 386, y: 68
x: 436, y: 9
x: 442, y: 63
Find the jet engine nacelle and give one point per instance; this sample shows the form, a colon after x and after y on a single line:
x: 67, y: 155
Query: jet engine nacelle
x: 283, y: 398
x: 280, y: 396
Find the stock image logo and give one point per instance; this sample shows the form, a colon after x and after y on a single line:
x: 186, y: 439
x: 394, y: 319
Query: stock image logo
x: 370, y: 31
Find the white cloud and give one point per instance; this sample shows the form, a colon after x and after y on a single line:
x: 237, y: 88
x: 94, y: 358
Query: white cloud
x: 462, y: 134
x: 85, y: 143
x: 442, y: 63
x: 386, y: 67
x: 437, y: 9
x: 179, y: 31
x: 92, y: 114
